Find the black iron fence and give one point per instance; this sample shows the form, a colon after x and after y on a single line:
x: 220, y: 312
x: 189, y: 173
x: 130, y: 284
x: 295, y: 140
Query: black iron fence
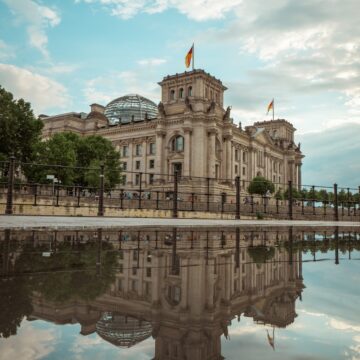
x: 174, y: 193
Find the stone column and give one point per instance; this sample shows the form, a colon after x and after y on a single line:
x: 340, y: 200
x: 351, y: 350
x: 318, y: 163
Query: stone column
x: 130, y: 165
x: 187, y: 152
x: 228, y: 157
x: 160, y: 156
x: 211, y: 156
x: 299, y: 176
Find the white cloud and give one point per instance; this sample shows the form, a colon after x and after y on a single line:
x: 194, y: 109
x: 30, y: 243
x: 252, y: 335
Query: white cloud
x: 103, y: 89
x: 29, y: 344
x: 198, y: 10
x: 42, y: 92
x: 151, y: 62
x: 38, y: 19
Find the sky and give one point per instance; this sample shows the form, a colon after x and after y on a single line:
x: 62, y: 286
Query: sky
x: 62, y: 55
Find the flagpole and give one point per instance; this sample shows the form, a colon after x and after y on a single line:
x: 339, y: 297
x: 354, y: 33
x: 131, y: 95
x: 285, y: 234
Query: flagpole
x: 193, y: 57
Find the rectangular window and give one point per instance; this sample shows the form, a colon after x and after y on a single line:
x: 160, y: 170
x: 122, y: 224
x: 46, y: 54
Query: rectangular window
x: 138, y: 150
x: 244, y: 171
x: 148, y: 258
x: 244, y: 157
x: 137, y: 179
x: 151, y: 179
x: 134, y: 270
x: 151, y: 163
x: 236, y: 169
x: 125, y: 151
x: 124, y: 165
x: 121, y: 268
x: 152, y: 149
x: 236, y: 154
x: 123, y: 179
x: 137, y: 165
x: 121, y: 254
x: 148, y: 272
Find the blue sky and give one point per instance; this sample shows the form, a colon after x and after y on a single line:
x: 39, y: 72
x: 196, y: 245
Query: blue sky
x: 62, y: 55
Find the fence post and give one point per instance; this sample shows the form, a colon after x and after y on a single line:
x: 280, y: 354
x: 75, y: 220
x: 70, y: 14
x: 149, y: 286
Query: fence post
x: 192, y: 201
x: 237, y: 184
x: 10, y: 187
x: 78, y: 195
x: 359, y: 198
x: 57, y: 194
x: 290, y: 200
x: 208, y: 195
x: 175, y: 197
x: 35, y: 194
x: 121, y: 198
x: 336, y: 209
x: 314, y: 198
x: 101, y: 191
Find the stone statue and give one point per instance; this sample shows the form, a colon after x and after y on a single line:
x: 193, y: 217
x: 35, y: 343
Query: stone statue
x: 240, y: 127
x: 211, y: 108
x: 226, y: 116
x: 187, y: 103
x: 161, y: 109
x: 299, y: 146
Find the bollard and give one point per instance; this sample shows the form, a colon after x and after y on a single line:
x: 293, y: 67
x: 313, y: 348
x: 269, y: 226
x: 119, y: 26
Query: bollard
x: 237, y: 184
x: 336, y: 209
x: 10, y: 187
x: 79, y: 190
x: 35, y: 194
x: 101, y: 192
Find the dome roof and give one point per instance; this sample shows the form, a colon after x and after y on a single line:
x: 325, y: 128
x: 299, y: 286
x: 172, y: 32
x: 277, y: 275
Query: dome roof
x: 122, y: 330
x: 129, y: 108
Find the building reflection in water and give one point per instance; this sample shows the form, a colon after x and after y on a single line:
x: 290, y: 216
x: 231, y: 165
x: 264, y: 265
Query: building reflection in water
x: 183, y: 287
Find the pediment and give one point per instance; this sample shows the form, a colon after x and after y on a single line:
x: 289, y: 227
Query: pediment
x: 263, y: 137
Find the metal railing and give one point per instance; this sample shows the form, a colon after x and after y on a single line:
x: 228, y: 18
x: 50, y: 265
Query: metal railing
x: 174, y: 192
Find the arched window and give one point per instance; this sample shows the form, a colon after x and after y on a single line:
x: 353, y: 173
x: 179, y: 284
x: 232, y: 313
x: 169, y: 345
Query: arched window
x: 190, y: 91
x: 181, y: 93
x: 177, y: 143
x: 172, y: 94
x: 206, y: 93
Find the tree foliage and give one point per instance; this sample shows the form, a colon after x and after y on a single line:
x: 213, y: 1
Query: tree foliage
x: 19, y: 129
x: 80, y: 158
x: 259, y: 185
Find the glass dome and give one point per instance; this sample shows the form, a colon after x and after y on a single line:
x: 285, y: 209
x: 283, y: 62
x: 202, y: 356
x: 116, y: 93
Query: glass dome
x: 122, y: 330
x: 129, y: 108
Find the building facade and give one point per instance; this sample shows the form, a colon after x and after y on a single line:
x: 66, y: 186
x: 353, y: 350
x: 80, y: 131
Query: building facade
x: 190, y: 132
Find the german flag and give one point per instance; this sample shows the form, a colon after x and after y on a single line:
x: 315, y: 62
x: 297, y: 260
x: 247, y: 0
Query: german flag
x: 270, y: 106
x: 189, y: 56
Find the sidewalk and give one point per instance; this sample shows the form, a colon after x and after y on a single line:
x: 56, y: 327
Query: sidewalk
x: 59, y: 222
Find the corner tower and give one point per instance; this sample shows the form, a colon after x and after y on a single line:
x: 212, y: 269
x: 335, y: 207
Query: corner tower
x: 197, y: 86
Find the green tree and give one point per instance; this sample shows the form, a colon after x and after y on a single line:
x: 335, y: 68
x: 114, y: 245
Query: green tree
x: 58, y: 150
x: 80, y: 159
x: 19, y: 129
x: 259, y: 185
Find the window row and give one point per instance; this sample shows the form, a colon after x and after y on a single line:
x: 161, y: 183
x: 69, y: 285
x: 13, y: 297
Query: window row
x: 150, y: 179
x: 181, y: 93
x: 138, y: 165
x: 138, y: 150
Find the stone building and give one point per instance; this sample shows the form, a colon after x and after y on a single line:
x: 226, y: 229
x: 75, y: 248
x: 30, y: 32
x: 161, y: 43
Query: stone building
x: 191, y: 132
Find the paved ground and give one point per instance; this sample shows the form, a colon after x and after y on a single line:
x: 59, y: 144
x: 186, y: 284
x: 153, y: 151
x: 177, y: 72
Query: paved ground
x: 59, y: 222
